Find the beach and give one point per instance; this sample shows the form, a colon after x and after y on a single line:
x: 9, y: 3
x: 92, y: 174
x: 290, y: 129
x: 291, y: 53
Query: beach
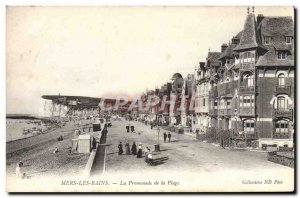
x: 37, y: 153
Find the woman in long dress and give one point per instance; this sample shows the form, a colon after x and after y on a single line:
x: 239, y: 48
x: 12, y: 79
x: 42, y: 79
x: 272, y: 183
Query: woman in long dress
x: 127, y: 149
x: 140, y: 152
x: 133, y: 149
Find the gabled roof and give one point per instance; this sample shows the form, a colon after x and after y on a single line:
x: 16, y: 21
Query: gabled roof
x: 212, y: 59
x: 229, y: 50
x: 277, y: 28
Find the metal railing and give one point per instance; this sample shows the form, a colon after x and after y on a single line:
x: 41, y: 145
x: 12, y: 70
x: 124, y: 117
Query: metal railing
x: 247, y: 111
x: 286, y: 113
x: 285, y: 135
x: 246, y: 89
x: 282, y: 89
x: 225, y: 111
x: 243, y: 134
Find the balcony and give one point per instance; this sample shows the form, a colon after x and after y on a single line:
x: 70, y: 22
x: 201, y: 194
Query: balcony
x: 282, y: 89
x: 246, y: 89
x: 247, y: 66
x: 225, y: 112
x: 247, y: 111
x: 244, y: 135
x: 281, y: 136
x: 203, y: 79
x: 213, y: 112
x: 282, y: 113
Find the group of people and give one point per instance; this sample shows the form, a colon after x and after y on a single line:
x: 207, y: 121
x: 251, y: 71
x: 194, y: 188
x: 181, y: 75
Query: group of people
x: 136, y: 151
x: 130, y: 127
x: 130, y: 151
x: 169, y: 136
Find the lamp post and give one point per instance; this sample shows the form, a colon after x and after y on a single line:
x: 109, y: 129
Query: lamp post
x: 156, y: 146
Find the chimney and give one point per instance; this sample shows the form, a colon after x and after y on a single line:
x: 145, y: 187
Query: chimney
x: 223, y: 47
x: 260, y: 17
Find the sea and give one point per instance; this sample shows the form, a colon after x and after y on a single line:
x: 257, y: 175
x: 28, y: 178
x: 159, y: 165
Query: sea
x: 19, y: 128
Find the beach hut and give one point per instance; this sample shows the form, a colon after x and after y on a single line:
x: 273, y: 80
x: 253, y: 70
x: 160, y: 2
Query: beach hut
x: 84, y: 144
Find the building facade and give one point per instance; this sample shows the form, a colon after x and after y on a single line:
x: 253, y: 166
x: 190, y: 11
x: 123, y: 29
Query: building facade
x: 252, y: 95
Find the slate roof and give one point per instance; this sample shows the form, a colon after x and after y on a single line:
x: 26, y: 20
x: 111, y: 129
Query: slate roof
x: 278, y: 28
x: 229, y: 50
x: 249, y: 38
x: 212, y: 59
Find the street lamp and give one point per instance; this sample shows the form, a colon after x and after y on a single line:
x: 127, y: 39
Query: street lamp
x: 156, y: 146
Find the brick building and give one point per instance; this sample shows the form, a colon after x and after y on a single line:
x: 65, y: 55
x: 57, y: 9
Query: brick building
x: 252, y: 88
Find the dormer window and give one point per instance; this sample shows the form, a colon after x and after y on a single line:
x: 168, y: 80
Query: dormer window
x: 282, y: 55
x: 268, y: 40
x: 288, y: 39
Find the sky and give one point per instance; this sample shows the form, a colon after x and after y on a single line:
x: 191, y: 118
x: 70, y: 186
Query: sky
x: 110, y: 51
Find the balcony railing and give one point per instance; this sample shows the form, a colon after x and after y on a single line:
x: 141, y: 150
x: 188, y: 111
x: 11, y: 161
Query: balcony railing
x: 282, y: 89
x: 244, y: 135
x: 281, y: 136
x: 283, y: 113
x: 246, y: 89
x: 225, y: 112
x: 247, y: 111
x: 213, y: 112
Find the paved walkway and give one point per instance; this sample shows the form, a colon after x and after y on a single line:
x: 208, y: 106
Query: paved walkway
x: 184, y: 153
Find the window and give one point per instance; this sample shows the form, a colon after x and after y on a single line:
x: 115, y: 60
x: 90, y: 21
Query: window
x: 282, y: 55
x: 281, y: 103
x: 268, y: 40
x: 249, y: 126
x: 282, y: 126
x: 248, y: 57
x: 281, y: 80
x: 216, y: 104
x: 247, y: 101
x: 228, y: 104
x: 222, y: 104
x: 248, y: 80
x: 288, y: 39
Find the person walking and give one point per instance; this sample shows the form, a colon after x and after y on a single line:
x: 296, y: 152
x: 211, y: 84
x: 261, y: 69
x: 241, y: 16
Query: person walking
x: 133, y: 149
x: 18, y: 171
x: 147, y: 151
x: 127, y: 128
x: 165, y: 136
x: 94, y: 143
x: 140, y: 152
x: 127, y: 148
x: 169, y: 136
x: 132, y: 128
x: 120, y: 148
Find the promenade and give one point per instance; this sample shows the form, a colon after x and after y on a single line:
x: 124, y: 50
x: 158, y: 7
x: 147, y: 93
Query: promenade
x: 184, y: 153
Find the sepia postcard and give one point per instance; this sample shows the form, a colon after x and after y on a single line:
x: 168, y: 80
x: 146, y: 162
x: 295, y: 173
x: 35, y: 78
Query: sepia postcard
x: 150, y: 99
